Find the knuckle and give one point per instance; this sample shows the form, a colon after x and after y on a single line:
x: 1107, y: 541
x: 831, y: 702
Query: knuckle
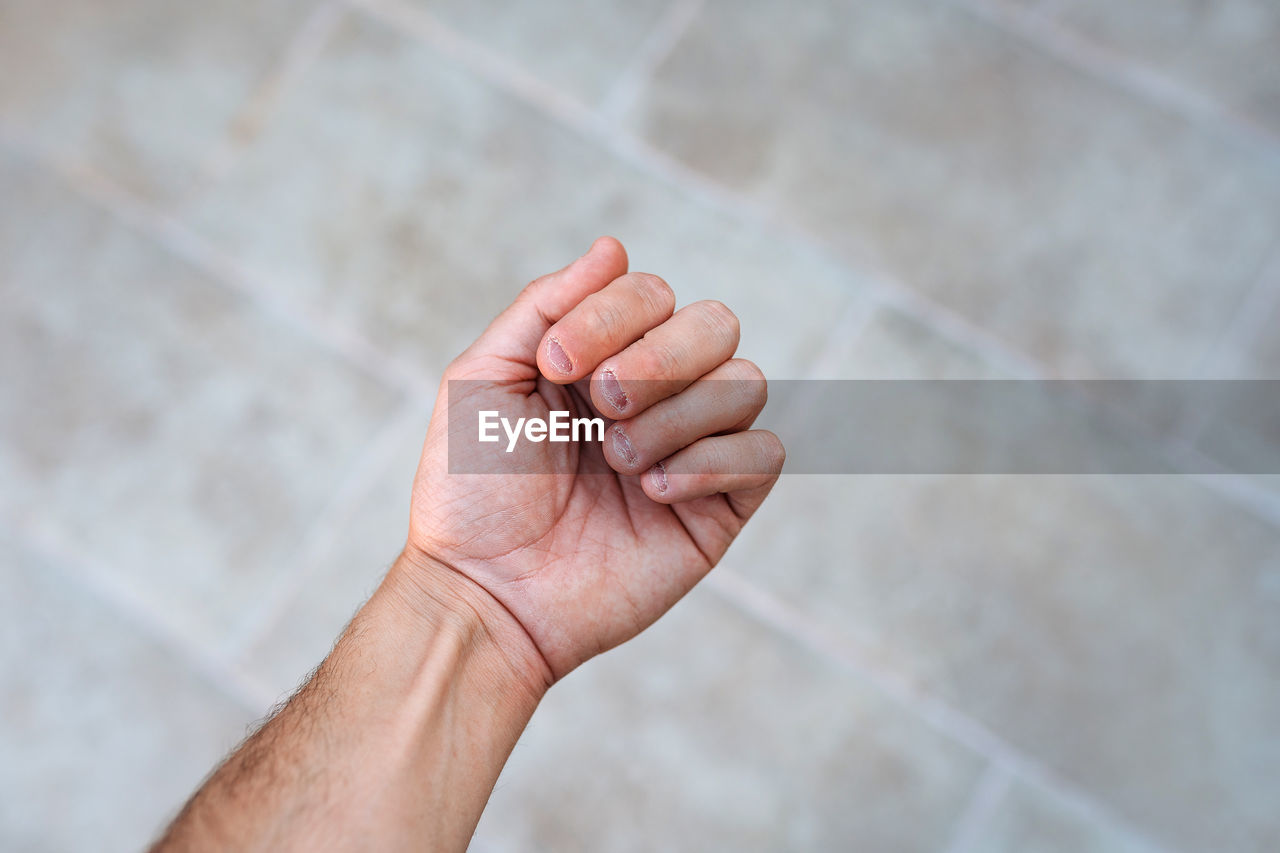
x: 464, y: 368
x: 656, y: 293
x: 657, y: 361
x: 774, y: 450
x: 721, y: 319
x: 537, y: 288
x: 744, y: 368
x: 610, y: 318
x: 715, y: 458
x: 757, y: 386
x: 752, y: 380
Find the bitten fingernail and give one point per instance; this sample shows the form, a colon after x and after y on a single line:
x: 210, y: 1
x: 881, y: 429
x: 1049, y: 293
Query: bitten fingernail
x: 558, y: 357
x: 622, y: 446
x: 612, y: 390
x: 659, y: 476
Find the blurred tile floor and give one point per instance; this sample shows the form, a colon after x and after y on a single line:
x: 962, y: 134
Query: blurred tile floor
x: 238, y: 242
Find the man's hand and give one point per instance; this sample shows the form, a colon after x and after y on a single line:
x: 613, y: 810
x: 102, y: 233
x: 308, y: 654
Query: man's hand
x: 508, y: 581
x: 585, y: 545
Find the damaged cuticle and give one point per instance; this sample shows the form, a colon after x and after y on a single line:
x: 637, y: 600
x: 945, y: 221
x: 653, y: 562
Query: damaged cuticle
x: 611, y: 388
x: 660, y: 477
x: 622, y: 447
x: 558, y: 357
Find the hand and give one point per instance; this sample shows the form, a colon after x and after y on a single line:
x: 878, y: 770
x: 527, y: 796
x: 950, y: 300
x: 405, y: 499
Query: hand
x: 586, y: 544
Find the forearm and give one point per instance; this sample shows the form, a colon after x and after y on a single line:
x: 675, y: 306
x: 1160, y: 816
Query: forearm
x: 397, y: 740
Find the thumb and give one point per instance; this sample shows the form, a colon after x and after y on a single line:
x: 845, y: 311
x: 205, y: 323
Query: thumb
x: 510, y: 343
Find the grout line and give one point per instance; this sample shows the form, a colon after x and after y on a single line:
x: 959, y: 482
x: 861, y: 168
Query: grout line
x: 324, y: 532
x: 417, y: 23
x: 1230, y: 485
x: 671, y: 27
x: 949, y: 325
x: 226, y: 271
x: 885, y: 287
x: 1256, y: 314
x: 298, y: 56
x: 146, y: 614
x: 1036, y: 27
x: 987, y: 797
x: 1242, y: 491
x: 954, y: 724
x: 851, y: 325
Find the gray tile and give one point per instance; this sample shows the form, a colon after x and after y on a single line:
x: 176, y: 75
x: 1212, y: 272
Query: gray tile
x: 1095, y: 232
x: 710, y: 732
x: 1225, y: 50
x: 1244, y: 435
x: 1029, y: 821
x: 580, y: 47
x: 158, y: 419
x: 398, y: 193
x: 1119, y: 629
x: 138, y: 89
x: 1266, y: 362
x: 1260, y: 357
x: 105, y: 735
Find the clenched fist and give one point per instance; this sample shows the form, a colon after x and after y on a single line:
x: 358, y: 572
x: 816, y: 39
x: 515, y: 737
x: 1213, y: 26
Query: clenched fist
x: 584, y: 544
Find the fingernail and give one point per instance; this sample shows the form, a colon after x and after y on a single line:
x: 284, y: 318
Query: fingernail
x: 659, y: 478
x: 622, y: 446
x: 558, y: 357
x: 612, y: 390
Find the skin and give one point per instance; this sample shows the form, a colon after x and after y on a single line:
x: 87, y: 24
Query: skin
x: 509, y: 581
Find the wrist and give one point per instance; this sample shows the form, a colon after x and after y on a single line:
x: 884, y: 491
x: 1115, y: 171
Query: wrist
x: 434, y: 596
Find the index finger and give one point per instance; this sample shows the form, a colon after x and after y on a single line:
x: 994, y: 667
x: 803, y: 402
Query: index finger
x: 515, y: 334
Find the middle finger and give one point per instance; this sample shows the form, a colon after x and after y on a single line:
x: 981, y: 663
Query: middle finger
x: 666, y: 360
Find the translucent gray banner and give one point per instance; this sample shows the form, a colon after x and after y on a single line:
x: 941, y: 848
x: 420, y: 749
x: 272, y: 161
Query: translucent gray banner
x: 914, y: 427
